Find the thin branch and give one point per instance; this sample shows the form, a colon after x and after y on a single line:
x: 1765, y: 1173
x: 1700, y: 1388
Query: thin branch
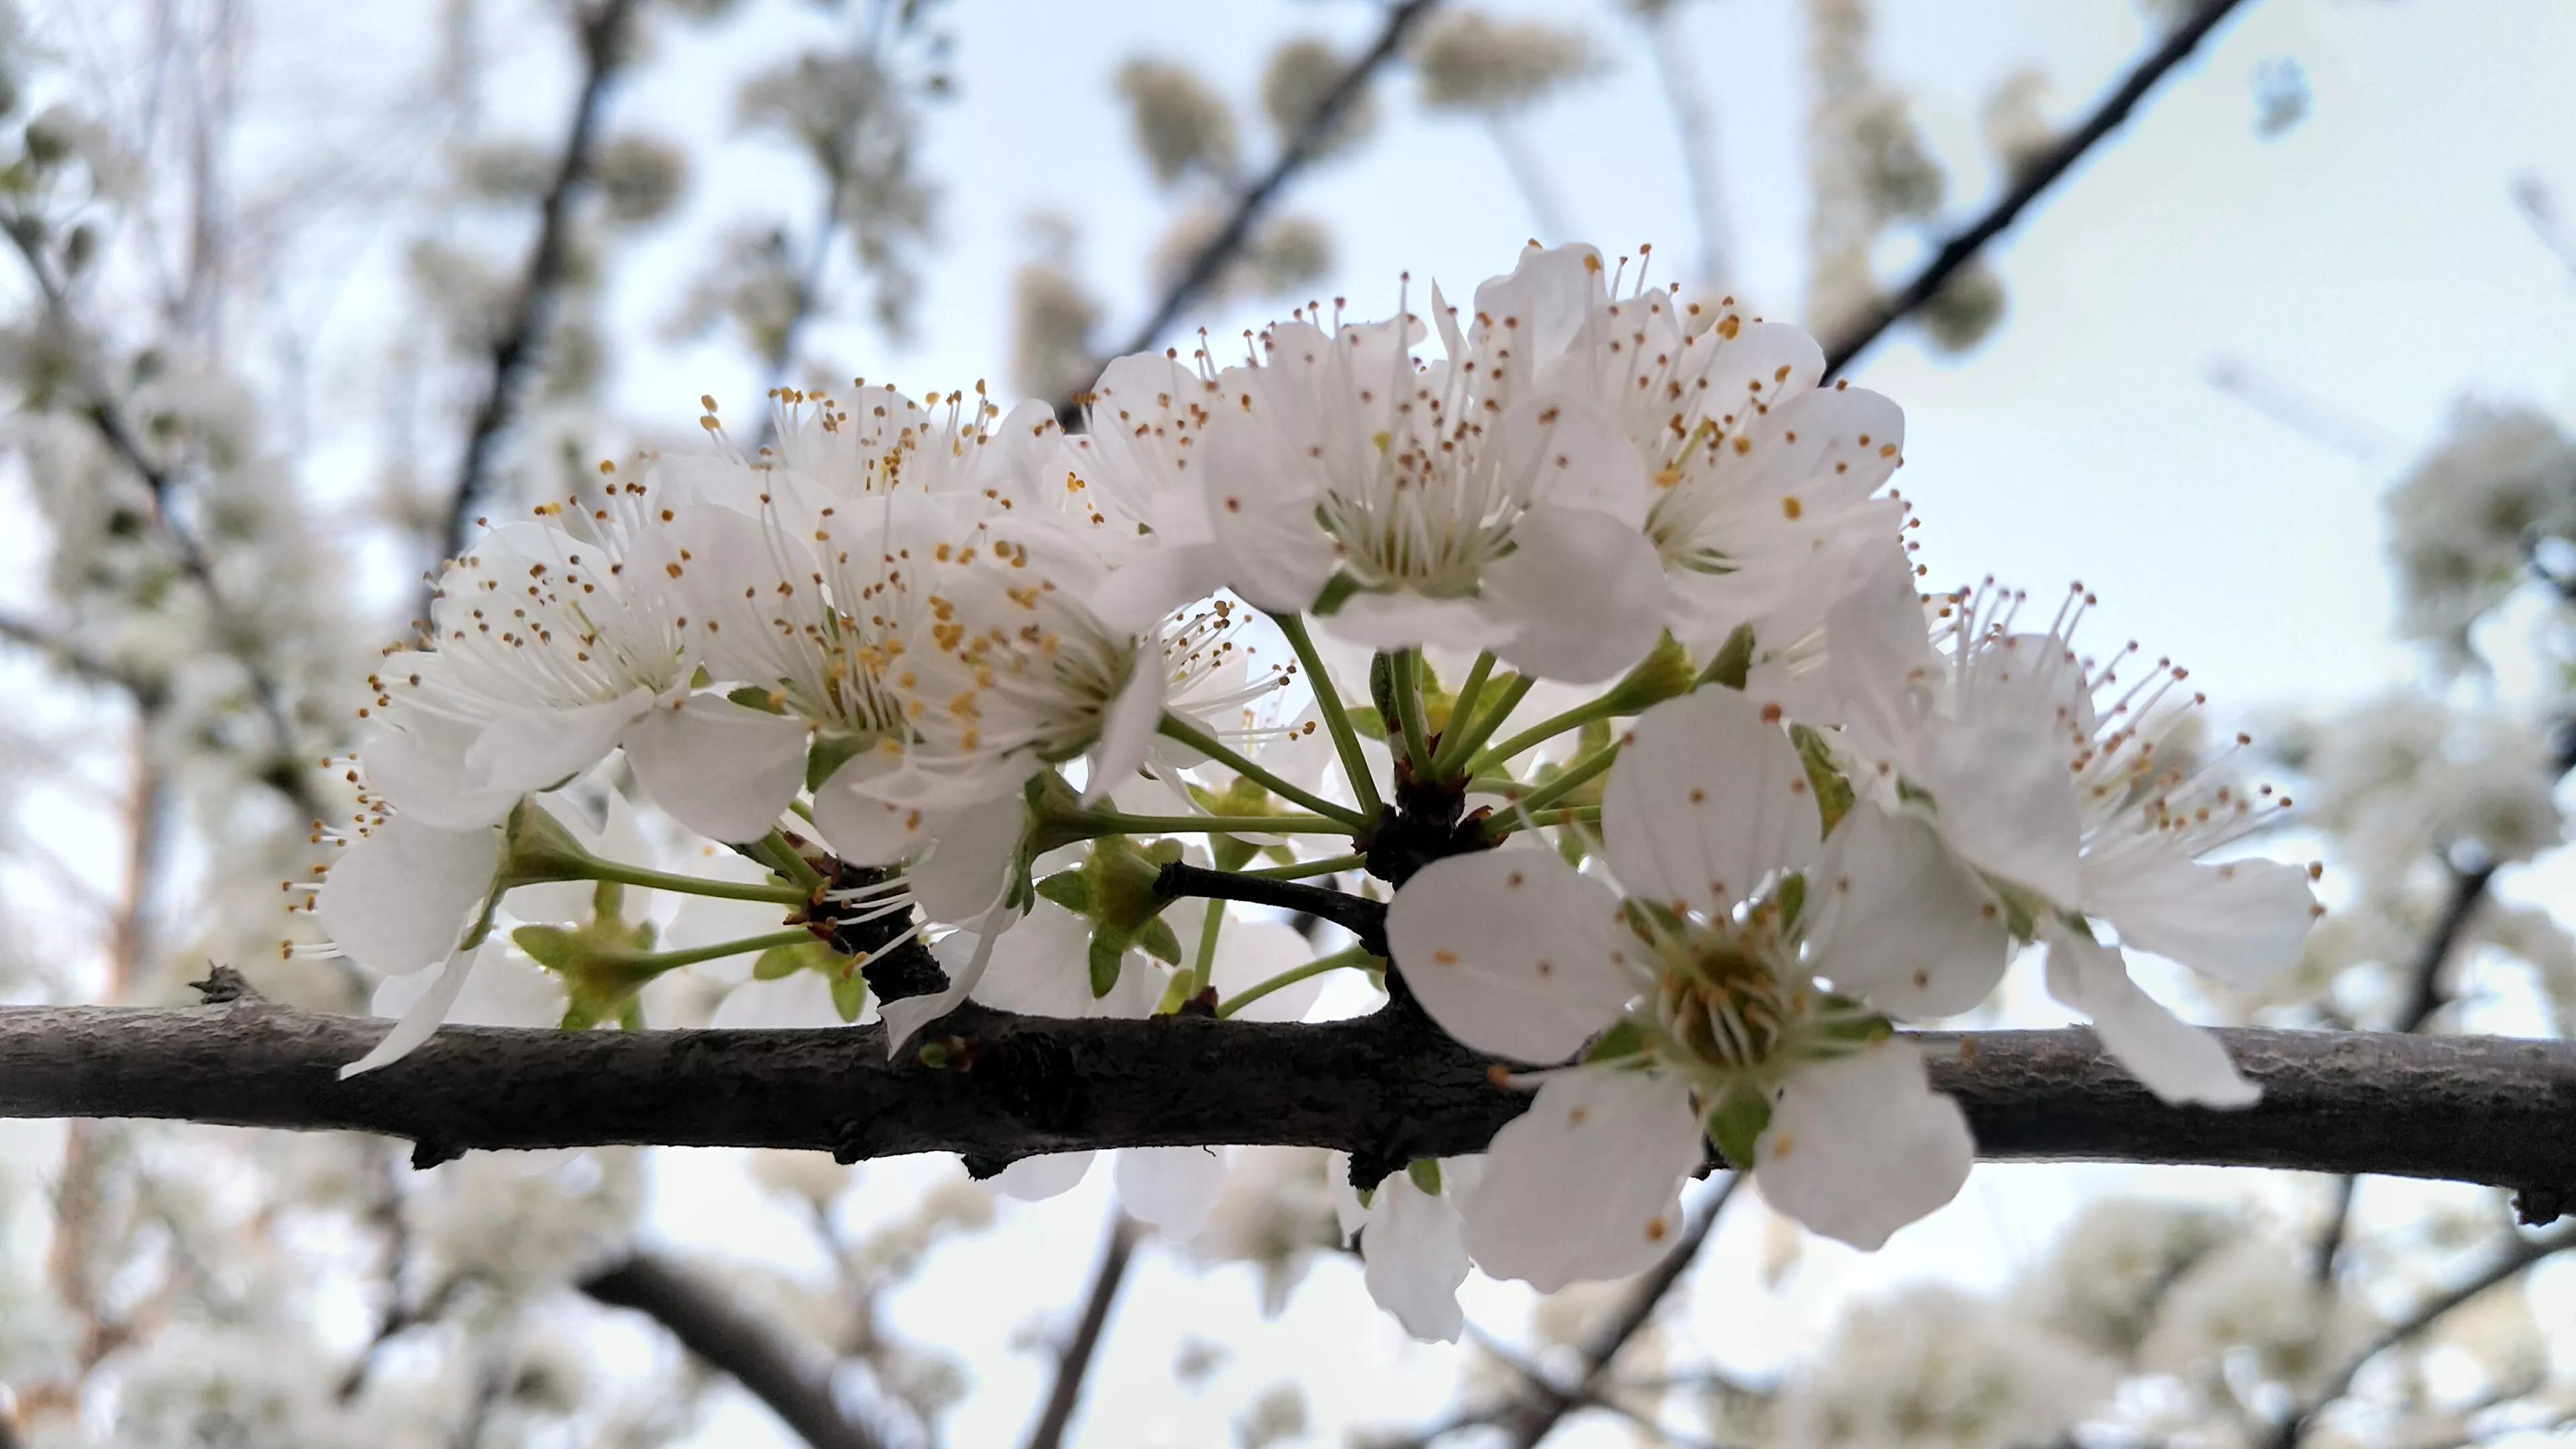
x: 2516, y: 1261
x: 794, y: 1379
x: 1074, y: 1365
x: 1255, y: 200
x: 1358, y: 915
x: 603, y: 51
x: 1537, y: 1419
x: 1385, y: 1087
x: 2044, y: 172
x: 72, y: 659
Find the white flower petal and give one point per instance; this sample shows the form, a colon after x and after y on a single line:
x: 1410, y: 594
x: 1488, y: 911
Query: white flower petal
x: 1583, y: 591
x: 504, y: 988
x: 1511, y: 952
x: 398, y: 899
x: 1038, y: 967
x: 1405, y: 620
x: 2240, y: 921
x: 801, y: 1000
x: 862, y: 827
x: 1898, y: 918
x: 2174, y: 1059
x: 1707, y: 800
x: 1859, y: 1146
x: 969, y: 863
x: 421, y: 1021
x: 1251, y: 952
x: 1415, y: 1248
x: 1172, y: 1188
x: 537, y: 749
x: 717, y: 767
x: 2004, y: 795
x: 1035, y: 1179
x: 1127, y: 727
x: 910, y: 1014
x: 1586, y: 1184
x: 419, y: 767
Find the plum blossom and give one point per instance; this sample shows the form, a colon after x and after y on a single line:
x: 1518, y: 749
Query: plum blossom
x: 1717, y: 1029
x: 2024, y: 778
x: 1413, y: 1242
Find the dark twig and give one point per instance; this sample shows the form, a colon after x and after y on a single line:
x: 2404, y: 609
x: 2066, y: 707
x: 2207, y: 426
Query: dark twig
x: 794, y: 1379
x: 2525, y: 1252
x: 1548, y: 1403
x: 1358, y: 915
x: 1074, y: 1365
x: 1255, y: 199
x: 2470, y: 1109
x: 2043, y: 172
x: 603, y: 51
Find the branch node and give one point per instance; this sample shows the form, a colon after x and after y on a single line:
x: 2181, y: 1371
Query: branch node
x: 429, y: 1152
x: 224, y: 984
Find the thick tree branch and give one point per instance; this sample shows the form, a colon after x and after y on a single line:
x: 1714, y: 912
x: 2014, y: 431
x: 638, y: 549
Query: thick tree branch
x: 2471, y: 1109
x: 1073, y: 1366
x: 2042, y: 173
x: 603, y: 51
x: 792, y: 1378
x: 1249, y: 207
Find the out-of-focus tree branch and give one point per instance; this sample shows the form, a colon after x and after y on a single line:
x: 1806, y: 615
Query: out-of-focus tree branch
x: 1256, y: 197
x: 603, y: 49
x: 2042, y: 173
x: 793, y: 1379
x: 1073, y: 1365
x: 1383, y: 1087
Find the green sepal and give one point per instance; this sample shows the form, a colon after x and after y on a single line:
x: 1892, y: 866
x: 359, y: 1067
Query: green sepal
x: 1118, y: 880
x: 1108, y: 954
x: 1736, y: 1123
x: 1425, y: 1172
x: 1833, y: 793
x: 1382, y: 690
x: 1366, y: 722
x: 831, y: 750
x: 1791, y: 897
x: 1844, y: 1018
x: 1067, y: 888
x: 1160, y: 941
x: 767, y: 701
x: 1336, y: 592
x: 849, y: 993
x: 778, y: 962
x: 1665, y: 673
x: 1625, y: 1039
x: 1733, y: 662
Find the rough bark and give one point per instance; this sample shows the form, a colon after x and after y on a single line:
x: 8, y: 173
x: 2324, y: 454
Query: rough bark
x: 1384, y: 1088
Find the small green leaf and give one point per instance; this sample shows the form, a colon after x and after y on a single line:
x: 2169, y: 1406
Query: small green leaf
x: 1107, y: 956
x: 1159, y: 941
x: 1367, y: 723
x: 1736, y: 1123
x: 831, y: 750
x: 1425, y: 1172
x: 1625, y: 1039
x: 549, y: 946
x: 1382, y: 687
x: 849, y: 993
x: 1337, y: 591
x: 767, y: 701
x: 1792, y: 897
x: 777, y: 962
x: 1068, y: 889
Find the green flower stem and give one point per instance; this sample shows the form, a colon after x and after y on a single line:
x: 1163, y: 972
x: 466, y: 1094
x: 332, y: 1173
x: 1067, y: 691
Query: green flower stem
x: 1462, y: 714
x: 1103, y: 822
x: 654, y: 963
x: 1545, y: 730
x: 663, y: 880
x: 1408, y: 712
x: 1347, y: 956
x: 1471, y: 739
x: 1576, y: 775
x: 1204, y: 968
x: 1329, y: 865
x: 1328, y: 703
x: 1177, y: 728
x: 1501, y: 825
x: 792, y: 864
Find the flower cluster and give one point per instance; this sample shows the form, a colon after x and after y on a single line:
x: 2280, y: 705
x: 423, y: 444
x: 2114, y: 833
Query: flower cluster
x: 953, y: 682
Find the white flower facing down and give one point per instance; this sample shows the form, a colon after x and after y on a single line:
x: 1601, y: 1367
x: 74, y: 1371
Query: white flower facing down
x: 1412, y: 1241
x: 1708, y: 819
x: 2031, y: 779
x: 1443, y: 504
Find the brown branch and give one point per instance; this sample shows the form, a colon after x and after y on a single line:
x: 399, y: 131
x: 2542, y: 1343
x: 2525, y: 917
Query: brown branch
x: 1255, y: 200
x: 1538, y: 1418
x: 793, y: 1379
x: 2516, y: 1261
x: 603, y: 52
x: 1384, y: 1087
x: 1074, y: 1365
x: 2044, y: 172
x: 74, y: 660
